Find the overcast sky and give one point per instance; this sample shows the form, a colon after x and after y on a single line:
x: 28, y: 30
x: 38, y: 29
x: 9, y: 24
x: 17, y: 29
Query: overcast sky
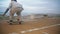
x: 36, y: 6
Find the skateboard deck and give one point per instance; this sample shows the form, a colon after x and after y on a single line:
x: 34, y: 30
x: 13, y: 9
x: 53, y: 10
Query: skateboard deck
x: 14, y: 22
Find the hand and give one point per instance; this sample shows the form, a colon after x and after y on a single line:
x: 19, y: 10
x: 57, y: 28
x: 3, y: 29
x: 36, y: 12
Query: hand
x: 5, y: 12
x: 3, y: 15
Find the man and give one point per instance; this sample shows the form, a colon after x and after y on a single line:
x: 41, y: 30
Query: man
x: 14, y: 7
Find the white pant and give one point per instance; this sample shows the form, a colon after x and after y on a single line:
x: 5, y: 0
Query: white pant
x: 16, y: 10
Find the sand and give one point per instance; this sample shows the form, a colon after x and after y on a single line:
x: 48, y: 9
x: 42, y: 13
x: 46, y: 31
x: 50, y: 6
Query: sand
x: 35, y: 26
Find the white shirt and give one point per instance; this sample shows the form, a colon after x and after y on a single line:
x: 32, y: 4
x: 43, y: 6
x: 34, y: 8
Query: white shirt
x: 14, y: 4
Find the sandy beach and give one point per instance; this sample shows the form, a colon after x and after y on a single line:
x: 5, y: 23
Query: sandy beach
x: 43, y: 25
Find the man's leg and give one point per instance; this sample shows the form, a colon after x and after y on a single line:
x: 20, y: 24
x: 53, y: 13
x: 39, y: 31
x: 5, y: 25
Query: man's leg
x: 11, y: 16
x: 19, y: 17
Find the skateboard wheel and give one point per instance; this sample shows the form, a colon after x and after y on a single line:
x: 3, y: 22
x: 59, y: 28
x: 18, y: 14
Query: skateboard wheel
x: 10, y: 23
x: 19, y: 22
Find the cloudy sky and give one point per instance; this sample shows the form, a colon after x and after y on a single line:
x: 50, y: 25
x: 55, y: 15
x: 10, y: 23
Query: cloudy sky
x: 36, y: 6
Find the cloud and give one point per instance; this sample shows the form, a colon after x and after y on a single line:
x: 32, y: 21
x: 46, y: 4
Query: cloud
x: 40, y: 6
x: 4, y: 3
x: 32, y: 2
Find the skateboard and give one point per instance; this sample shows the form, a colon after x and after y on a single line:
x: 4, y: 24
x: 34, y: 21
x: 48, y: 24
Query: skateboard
x: 14, y: 22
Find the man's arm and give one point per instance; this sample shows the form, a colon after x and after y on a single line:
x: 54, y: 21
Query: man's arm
x: 6, y: 11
